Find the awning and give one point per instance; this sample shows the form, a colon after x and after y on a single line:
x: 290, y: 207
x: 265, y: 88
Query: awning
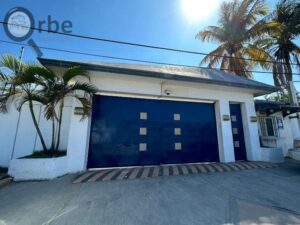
x: 270, y: 107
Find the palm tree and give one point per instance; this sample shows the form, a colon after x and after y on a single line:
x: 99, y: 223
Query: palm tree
x: 57, y: 87
x: 281, y: 45
x: 240, y: 22
x: 35, y: 83
x: 18, y: 83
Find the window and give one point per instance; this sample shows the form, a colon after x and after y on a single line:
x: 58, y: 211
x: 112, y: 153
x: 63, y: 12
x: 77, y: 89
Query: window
x: 268, y: 126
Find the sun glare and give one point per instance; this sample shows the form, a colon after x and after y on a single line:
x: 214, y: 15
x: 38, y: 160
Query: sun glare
x: 200, y: 10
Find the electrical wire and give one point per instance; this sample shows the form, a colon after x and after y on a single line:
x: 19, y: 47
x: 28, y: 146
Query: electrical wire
x: 134, y: 60
x: 138, y: 44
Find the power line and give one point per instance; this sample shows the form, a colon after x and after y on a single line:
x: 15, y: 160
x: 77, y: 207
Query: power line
x: 139, y: 45
x: 133, y: 60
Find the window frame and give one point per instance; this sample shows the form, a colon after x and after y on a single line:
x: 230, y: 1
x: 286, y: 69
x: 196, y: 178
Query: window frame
x: 263, y: 124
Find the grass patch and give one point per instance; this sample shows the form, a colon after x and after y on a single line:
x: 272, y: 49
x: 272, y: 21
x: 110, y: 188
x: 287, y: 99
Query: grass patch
x: 47, y: 154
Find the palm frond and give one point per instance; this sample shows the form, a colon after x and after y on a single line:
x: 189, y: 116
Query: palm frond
x: 261, y: 28
x: 12, y: 63
x: 213, y: 57
x: 265, y: 42
x: 211, y: 33
x: 86, y: 106
x: 22, y: 100
x: 5, y: 99
x: 73, y: 72
x: 3, y: 76
x: 50, y: 112
x: 225, y: 12
x: 260, y: 56
x: 39, y: 74
x: 255, y: 9
x: 33, y: 97
x: 85, y: 87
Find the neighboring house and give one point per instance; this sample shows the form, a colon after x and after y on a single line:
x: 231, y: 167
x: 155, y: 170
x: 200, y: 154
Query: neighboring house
x: 278, y: 126
x: 146, y: 114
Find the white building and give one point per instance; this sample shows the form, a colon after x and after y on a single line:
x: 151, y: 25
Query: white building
x: 145, y: 115
x: 278, y: 129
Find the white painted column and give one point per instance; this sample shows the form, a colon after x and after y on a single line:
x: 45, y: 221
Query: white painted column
x: 225, y: 139
x: 295, y: 126
x: 78, y: 142
x: 250, y: 131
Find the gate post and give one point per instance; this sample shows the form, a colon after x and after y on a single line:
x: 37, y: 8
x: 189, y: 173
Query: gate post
x: 224, y: 130
x: 78, y: 141
x: 250, y: 131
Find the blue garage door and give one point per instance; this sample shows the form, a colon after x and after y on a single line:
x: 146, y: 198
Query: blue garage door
x: 132, y: 131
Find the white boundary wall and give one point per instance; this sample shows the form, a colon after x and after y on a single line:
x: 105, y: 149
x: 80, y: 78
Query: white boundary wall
x: 18, y: 136
x: 26, y: 169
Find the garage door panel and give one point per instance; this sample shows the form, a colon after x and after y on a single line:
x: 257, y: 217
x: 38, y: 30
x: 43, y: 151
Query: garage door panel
x: 129, y: 131
x: 128, y: 157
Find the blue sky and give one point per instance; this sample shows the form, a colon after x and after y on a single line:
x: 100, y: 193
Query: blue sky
x: 155, y: 22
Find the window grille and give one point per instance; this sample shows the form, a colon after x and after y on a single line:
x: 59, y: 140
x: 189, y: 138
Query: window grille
x: 268, y: 126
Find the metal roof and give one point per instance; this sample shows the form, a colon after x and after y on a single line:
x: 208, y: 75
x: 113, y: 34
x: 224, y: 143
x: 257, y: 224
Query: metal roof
x: 180, y: 73
x: 270, y: 107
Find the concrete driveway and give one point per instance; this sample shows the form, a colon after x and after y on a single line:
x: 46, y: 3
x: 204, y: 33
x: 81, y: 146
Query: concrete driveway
x: 258, y: 196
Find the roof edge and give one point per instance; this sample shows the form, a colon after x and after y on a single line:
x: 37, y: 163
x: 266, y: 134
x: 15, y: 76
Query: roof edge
x: 152, y: 74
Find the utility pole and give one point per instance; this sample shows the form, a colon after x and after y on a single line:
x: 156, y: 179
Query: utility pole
x: 19, y: 116
x: 21, y: 53
x: 21, y: 58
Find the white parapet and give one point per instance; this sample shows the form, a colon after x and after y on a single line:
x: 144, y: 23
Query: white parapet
x: 38, y: 169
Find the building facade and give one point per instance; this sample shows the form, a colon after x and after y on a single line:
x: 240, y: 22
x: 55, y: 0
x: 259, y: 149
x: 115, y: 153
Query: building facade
x: 145, y: 115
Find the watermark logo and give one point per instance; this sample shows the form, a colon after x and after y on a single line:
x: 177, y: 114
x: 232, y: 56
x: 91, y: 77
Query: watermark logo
x: 19, y: 24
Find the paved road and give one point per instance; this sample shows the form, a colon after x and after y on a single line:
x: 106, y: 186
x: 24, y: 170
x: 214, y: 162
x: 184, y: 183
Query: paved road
x: 262, y: 196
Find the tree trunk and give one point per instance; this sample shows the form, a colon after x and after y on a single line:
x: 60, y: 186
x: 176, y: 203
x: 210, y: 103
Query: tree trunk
x: 61, y: 108
x: 289, y: 77
x: 53, y: 135
x: 37, y: 126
